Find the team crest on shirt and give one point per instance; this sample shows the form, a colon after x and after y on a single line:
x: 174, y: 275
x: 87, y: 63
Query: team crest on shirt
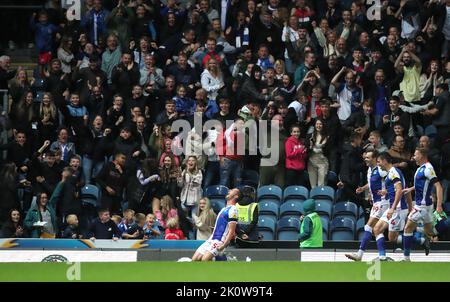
x: 432, y: 173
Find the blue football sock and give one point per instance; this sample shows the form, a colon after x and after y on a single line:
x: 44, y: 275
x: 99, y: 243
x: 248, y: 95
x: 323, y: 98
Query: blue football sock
x: 407, y: 242
x: 366, y: 238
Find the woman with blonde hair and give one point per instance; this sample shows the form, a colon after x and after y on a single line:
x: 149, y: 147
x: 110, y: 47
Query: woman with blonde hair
x: 280, y: 69
x: 190, y: 183
x: 212, y: 79
x: 47, y: 118
x: 204, y: 219
x: 166, y: 211
x: 18, y: 87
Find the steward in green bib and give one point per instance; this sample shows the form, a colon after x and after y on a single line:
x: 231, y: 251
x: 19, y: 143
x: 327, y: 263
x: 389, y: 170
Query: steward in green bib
x: 247, y: 229
x: 311, y: 228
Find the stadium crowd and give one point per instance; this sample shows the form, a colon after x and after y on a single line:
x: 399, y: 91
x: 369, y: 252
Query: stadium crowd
x: 334, y: 78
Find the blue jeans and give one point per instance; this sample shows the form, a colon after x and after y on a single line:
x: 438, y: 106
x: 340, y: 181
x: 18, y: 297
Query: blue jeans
x: 230, y: 169
x: 212, y: 173
x: 91, y: 168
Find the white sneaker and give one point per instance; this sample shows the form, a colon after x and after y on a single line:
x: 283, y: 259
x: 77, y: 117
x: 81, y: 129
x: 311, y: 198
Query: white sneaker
x: 354, y: 257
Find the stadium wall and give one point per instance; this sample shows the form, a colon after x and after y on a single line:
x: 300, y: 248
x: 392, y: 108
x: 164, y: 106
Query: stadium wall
x: 70, y: 250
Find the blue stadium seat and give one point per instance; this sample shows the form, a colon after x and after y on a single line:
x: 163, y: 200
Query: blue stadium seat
x: 292, y: 208
x: 250, y: 178
x: 217, y: 204
x: 360, y: 228
x: 216, y: 191
x: 361, y: 212
x: 325, y: 226
x: 322, y: 192
x: 346, y: 208
x: 324, y: 207
x: 288, y: 228
x: 342, y: 229
x: 271, y: 192
x: 90, y: 194
x: 266, y: 227
x: 430, y: 131
x: 267, y: 207
x: 295, y: 193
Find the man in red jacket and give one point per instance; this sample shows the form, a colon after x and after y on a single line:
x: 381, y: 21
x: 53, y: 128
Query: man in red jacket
x: 231, y: 148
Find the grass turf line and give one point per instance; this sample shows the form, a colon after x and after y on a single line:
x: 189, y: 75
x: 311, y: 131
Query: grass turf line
x: 270, y: 271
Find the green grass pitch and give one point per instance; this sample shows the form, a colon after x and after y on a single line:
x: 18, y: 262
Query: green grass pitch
x: 270, y: 271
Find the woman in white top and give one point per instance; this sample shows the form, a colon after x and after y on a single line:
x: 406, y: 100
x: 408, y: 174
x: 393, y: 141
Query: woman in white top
x: 190, y: 183
x: 212, y: 80
x: 429, y: 80
x: 65, y: 54
x: 317, y: 162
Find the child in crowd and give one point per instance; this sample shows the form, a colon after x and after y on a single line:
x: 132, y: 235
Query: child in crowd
x: 151, y: 229
x: 117, y: 219
x: 127, y: 221
x: 173, y: 231
x: 72, y: 231
x: 136, y: 231
x: 44, y: 33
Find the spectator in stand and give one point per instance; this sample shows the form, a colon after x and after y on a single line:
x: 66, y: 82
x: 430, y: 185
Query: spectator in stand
x: 410, y: 65
x: 5, y: 73
x: 296, y: 154
x: 65, y: 54
x: 72, y: 231
x: 318, y: 143
x: 48, y: 119
x: 349, y: 95
x: 166, y: 211
x: 351, y: 170
x: 401, y: 157
x: 272, y: 168
x: 103, y: 227
x: 44, y: 35
x: 151, y: 229
x: 204, y: 219
x: 361, y: 121
x: 190, y: 183
x: 94, y: 22
x: 67, y: 148
x: 125, y: 75
x: 112, y: 180
x: 211, y: 78
x: 394, y: 115
x: 111, y: 56
x: 127, y: 221
x: 136, y: 230
x: 41, y: 220
x: 13, y: 226
x: 231, y: 161
x: 173, y: 231
x: 119, y: 22
x: 375, y: 143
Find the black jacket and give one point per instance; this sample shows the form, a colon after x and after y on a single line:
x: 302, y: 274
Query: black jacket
x: 123, y: 79
x: 106, y: 230
x: 358, y: 119
x: 352, y: 164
